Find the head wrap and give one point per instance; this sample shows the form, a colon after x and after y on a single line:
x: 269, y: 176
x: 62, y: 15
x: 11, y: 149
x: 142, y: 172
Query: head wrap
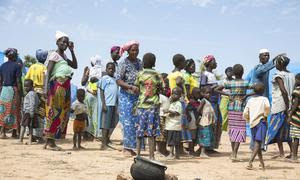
x: 41, y: 55
x: 11, y: 51
x: 127, y: 46
x: 208, y: 58
x: 60, y: 34
x: 96, y: 60
x: 261, y: 51
x: 114, y: 48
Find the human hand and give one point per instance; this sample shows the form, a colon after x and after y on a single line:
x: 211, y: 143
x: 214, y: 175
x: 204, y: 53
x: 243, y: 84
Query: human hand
x: 104, y: 108
x: 86, y: 71
x: 71, y: 45
x: 134, y: 89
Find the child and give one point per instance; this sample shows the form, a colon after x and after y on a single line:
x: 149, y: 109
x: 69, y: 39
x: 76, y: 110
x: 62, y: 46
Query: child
x: 173, y: 122
x: 30, y: 110
x: 179, y: 63
x: 225, y: 100
x: 150, y: 84
x: 164, y: 103
x: 294, y: 118
x: 189, y: 80
x: 80, y: 111
x: 236, y: 122
x: 283, y: 84
x: 167, y: 89
x: 257, y: 111
x: 206, y: 122
x: 109, y: 94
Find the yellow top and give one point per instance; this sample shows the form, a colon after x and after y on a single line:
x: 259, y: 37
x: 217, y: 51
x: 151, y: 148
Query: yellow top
x: 36, y: 73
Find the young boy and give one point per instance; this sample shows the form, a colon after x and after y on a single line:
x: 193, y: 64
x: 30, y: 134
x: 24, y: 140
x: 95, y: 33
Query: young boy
x: 294, y: 119
x: 109, y: 95
x: 150, y: 84
x: 257, y: 111
x: 30, y: 110
x: 173, y: 122
x: 80, y: 111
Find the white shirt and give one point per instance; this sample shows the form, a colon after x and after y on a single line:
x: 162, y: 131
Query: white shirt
x: 174, y: 123
x: 256, y: 109
x: 164, y: 105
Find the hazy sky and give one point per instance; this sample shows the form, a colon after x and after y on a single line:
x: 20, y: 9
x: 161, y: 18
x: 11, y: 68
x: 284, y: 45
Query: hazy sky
x: 232, y: 30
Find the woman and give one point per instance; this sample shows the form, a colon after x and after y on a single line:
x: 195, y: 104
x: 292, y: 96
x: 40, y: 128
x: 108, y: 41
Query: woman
x: 11, y: 93
x: 89, y: 79
x: 126, y: 75
x: 57, y: 88
x: 36, y: 73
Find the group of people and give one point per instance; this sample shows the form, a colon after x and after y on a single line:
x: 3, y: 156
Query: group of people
x: 169, y: 110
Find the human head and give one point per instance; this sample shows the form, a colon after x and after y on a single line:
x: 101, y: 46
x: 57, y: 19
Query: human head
x: 11, y: 54
x: 110, y: 69
x: 205, y: 92
x: 132, y: 47
x: 190, y: 66
x: 179, y: 61
x: 297, y: 79
x: 264, y: 56
x: 28, y: 85
x: 196, y: 93
x: 176, y: 93
x: 115, y: 53
x: 209, y: 61
x: 62, y: 40
x: 229, y: 72
x: 259, y: 88
x: 80, y: 95
x: 281, y: 62
x: 149, y: 60
x: 238, y: 70
x: 41, y: 55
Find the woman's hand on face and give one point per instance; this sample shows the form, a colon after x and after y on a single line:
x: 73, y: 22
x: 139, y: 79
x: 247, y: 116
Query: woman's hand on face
x: 71, y: 45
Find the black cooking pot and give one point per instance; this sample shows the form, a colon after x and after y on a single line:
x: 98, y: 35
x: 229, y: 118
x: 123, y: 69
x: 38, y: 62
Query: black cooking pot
x: 145, y: 169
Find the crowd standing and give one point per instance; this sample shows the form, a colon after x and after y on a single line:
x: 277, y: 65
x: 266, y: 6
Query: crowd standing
x: 154, y: 109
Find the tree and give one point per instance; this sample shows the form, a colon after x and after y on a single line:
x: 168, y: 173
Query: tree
x: 29, y: 60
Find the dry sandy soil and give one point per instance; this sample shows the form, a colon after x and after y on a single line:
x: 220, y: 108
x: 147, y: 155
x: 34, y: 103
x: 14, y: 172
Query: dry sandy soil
x: 32, y: 162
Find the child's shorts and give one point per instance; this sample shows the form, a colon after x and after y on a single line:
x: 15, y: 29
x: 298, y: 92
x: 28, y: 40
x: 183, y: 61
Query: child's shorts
x: 173, y: 138
x: 78, y: 126
x: 109, y: 118
x: 28, y: 122
x: 259, y: 132
x: 148, y: 122
x: 163, y: 132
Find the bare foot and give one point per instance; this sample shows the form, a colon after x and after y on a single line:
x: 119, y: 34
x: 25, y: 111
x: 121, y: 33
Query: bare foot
x: 204, y: 155
x: 80, y: 147
x: 75, y: 148
x: 250, y: 167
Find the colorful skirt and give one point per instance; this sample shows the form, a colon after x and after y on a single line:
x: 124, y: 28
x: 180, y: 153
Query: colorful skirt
x: 205, y: 136
x: 10, y: 112
x: 237, y: 126
x: 108, y: 118
x: 127, y: 117
x: 58, y: 109
x: 148, y: 122
x: 294, y: 132
x: 91, y: 102
x: 224, y: 112
x: 218, y: 125
x: 278, y: 129
x: 185, y: 132
x: 163, y: 131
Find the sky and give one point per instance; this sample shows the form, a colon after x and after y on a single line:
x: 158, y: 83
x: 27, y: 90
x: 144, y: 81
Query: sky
x: 232, y: 30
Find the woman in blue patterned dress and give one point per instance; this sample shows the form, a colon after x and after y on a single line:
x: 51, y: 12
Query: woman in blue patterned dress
x: 126, y: 75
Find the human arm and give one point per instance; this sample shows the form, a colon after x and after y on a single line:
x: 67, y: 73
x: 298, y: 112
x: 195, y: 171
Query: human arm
x: 261, y: 69
x: 47, y: 77
x: 85, y: 76
x: 284, y: 93
x: 104, y: 107
x: 246, y: 115
x: 219, y: 90
x: 73, y: 62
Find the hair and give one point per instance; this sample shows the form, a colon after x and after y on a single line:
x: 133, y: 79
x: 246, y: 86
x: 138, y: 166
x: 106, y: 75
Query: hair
x: 204, y: 89
x: 282, y: 60
x: 297, y: 78
x: 188, y: 63
x: 228, y: 69
x: 178, y: 59
x: 80, y: 92
x: 164, y: 75
x: 177, y: 89
x: 29, y: 80
x: 149, y: 60
x: 196, y: 90
x: 259, y: 88
x: 238, y: 70
x: 110, y: 63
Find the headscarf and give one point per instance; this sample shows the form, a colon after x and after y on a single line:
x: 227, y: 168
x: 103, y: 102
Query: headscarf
x: 60, y: 34
x: 11, y: 51
x: 208, y: 59
x: 261, y: 51
x: 96, y: 60
x: 41, y: 55
x: 127, y: 46
x: 114, y: 48
x: 96, y: 70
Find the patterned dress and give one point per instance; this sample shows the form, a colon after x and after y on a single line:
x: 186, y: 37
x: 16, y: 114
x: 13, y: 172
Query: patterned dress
x: 295, y: 120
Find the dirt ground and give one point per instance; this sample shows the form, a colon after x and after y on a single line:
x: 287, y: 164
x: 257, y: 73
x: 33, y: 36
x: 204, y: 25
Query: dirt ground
x: 32, y: 162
